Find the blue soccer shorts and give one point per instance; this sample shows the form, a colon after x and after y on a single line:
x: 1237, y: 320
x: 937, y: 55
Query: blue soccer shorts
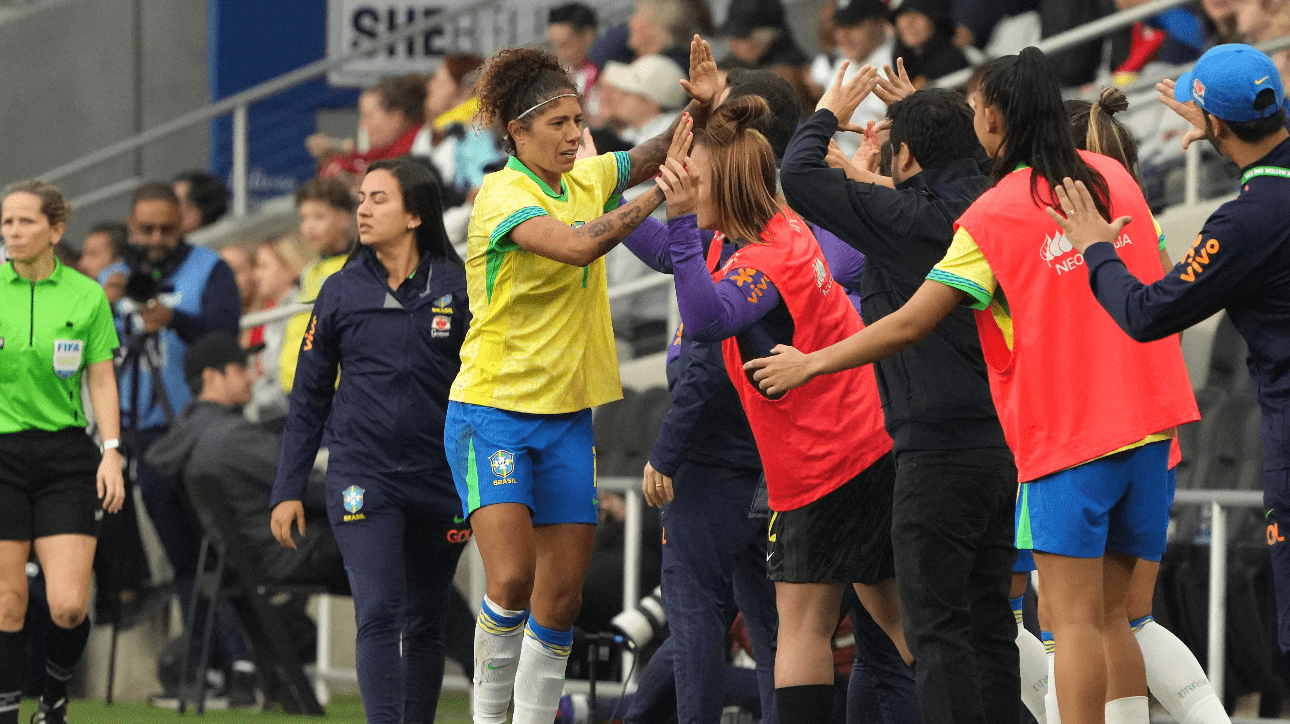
x: 1116, y: 504
x: 546, y: 462
x: 1025, y: 562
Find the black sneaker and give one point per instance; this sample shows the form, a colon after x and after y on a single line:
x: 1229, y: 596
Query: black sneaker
x: 241, y: 689
x: 46, y: 714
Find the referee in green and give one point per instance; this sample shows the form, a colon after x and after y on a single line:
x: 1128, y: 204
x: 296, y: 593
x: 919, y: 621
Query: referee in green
x: 55, y: 324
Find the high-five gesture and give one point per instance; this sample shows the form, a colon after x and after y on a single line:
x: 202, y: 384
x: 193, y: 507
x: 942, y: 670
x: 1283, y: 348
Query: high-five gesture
x: 896, y: 86
x: 677, y: 179
x: 844, y: 98
x: 705, y: 82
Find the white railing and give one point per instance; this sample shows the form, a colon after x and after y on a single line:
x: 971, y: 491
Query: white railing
x: 1218, y: 501
x: 1081, y: 34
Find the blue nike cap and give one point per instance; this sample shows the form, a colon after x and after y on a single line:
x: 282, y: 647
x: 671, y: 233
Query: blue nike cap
x: 1226, y: 81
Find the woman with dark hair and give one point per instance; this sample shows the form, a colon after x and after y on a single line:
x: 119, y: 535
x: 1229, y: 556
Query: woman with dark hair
x: 539, y: 355
x: 391, y: 113
x: 824, y: 450
x: 1174, y: 675
x: 54, y: 483
x: 394, y: 319
x: 924, y: 40
x: 1088, y: 413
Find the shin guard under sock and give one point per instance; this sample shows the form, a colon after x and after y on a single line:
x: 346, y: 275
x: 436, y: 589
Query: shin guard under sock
x: 63, y: 649
x: 808, y: 704
x: 1175, y: 677
x: 539, y: 677
x: 13, y: 670
x: 498, y: 635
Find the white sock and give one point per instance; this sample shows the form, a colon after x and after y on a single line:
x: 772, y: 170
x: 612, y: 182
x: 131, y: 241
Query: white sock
x: 1050, y: 697
x: 1129, y: 710
x: 499, y: 633
x: 539, y: 681
x: 1034, y: 673
x: 1175, y: 677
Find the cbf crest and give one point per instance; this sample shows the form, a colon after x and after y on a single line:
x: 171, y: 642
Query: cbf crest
x: 502, y: 464
x: 353, y: 499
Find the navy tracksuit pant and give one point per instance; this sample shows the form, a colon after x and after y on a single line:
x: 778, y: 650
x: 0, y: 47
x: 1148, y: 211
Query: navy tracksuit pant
x: 400, y: 553
x: 714, y: 561
x: 881, y: 688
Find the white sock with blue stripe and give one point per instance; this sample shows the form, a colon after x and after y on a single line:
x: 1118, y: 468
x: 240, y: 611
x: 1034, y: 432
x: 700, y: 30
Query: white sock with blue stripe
x: 1034, y: 666
x: 539, y: 682
x: 1175, y: 677
x: 499, y: 634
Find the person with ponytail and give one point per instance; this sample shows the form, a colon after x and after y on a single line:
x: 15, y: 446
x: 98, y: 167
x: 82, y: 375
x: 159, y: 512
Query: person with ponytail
x: 1088, y: 413
x: 394, y: 318
x: 1174, y: 676
x: 538, y: 356
x: 824, y: 450
x: 1233, y: 98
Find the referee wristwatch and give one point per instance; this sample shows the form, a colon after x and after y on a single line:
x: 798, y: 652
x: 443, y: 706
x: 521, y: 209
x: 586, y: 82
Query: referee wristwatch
x: 112, y: 444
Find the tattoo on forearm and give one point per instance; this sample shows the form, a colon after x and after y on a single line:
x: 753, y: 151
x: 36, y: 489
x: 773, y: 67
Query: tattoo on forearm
x: 608, y: 230
x: 647, y: 157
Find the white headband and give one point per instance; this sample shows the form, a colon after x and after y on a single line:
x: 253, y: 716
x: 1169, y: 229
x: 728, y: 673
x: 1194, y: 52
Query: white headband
x: 552, y: 98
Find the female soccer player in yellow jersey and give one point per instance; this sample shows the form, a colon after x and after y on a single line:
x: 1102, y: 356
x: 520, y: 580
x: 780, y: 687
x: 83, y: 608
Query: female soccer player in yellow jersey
x: 540, y: 354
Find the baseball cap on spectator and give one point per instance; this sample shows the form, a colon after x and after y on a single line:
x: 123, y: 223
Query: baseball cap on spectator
x: 937, y: 10
x: 746, y: 16
x: 855, y: 12
x: 216, y: 351
x: 653, y: 76
x: 1227, y: 83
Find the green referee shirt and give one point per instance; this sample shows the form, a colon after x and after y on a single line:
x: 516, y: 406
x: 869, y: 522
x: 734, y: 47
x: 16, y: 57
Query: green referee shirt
x: 50, y: 331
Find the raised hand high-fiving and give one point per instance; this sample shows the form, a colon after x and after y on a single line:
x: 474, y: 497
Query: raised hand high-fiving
x: 676, y: 177
x: 705, y: 82
x: 896, y: 86
x: 844, y: 98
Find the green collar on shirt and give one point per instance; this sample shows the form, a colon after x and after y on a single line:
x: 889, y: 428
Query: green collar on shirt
x: 515, y: 164
x: 10, y: 274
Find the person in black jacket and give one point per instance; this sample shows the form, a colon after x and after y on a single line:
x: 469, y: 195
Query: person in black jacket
x: 956, y: 482
x: 214, y: 446
x: 394, y: 319
x: 211, y: 445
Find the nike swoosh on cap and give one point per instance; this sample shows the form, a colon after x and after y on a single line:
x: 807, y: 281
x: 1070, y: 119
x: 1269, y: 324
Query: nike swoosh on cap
x: 1260, y: 80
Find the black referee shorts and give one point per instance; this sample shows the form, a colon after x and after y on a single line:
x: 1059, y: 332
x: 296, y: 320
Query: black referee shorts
x: 47, y: 484
x: 844, y: 537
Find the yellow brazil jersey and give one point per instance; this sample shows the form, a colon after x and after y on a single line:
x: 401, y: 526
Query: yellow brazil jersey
x: 966, y: 269
x: 311, y: 281
x: 540, y: 338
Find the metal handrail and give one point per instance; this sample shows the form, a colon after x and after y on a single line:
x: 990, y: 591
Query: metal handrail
x: 1219, y: 501
x: 619, y: 291
x: 1081, y: 34
x: 264, y: 90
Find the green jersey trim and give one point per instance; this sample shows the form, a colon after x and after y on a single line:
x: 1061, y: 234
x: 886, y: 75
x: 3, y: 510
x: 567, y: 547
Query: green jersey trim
x: 980, y: 297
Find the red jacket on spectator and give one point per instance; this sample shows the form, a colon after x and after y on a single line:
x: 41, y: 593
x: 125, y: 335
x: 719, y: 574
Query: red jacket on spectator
x: 356, y: 163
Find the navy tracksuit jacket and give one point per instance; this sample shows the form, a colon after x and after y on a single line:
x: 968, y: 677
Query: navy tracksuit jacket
x: 389, y: 492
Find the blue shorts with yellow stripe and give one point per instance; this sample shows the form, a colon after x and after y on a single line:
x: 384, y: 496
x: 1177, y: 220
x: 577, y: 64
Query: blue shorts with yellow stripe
x: 546, y: 462
x: 1116, y: 504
